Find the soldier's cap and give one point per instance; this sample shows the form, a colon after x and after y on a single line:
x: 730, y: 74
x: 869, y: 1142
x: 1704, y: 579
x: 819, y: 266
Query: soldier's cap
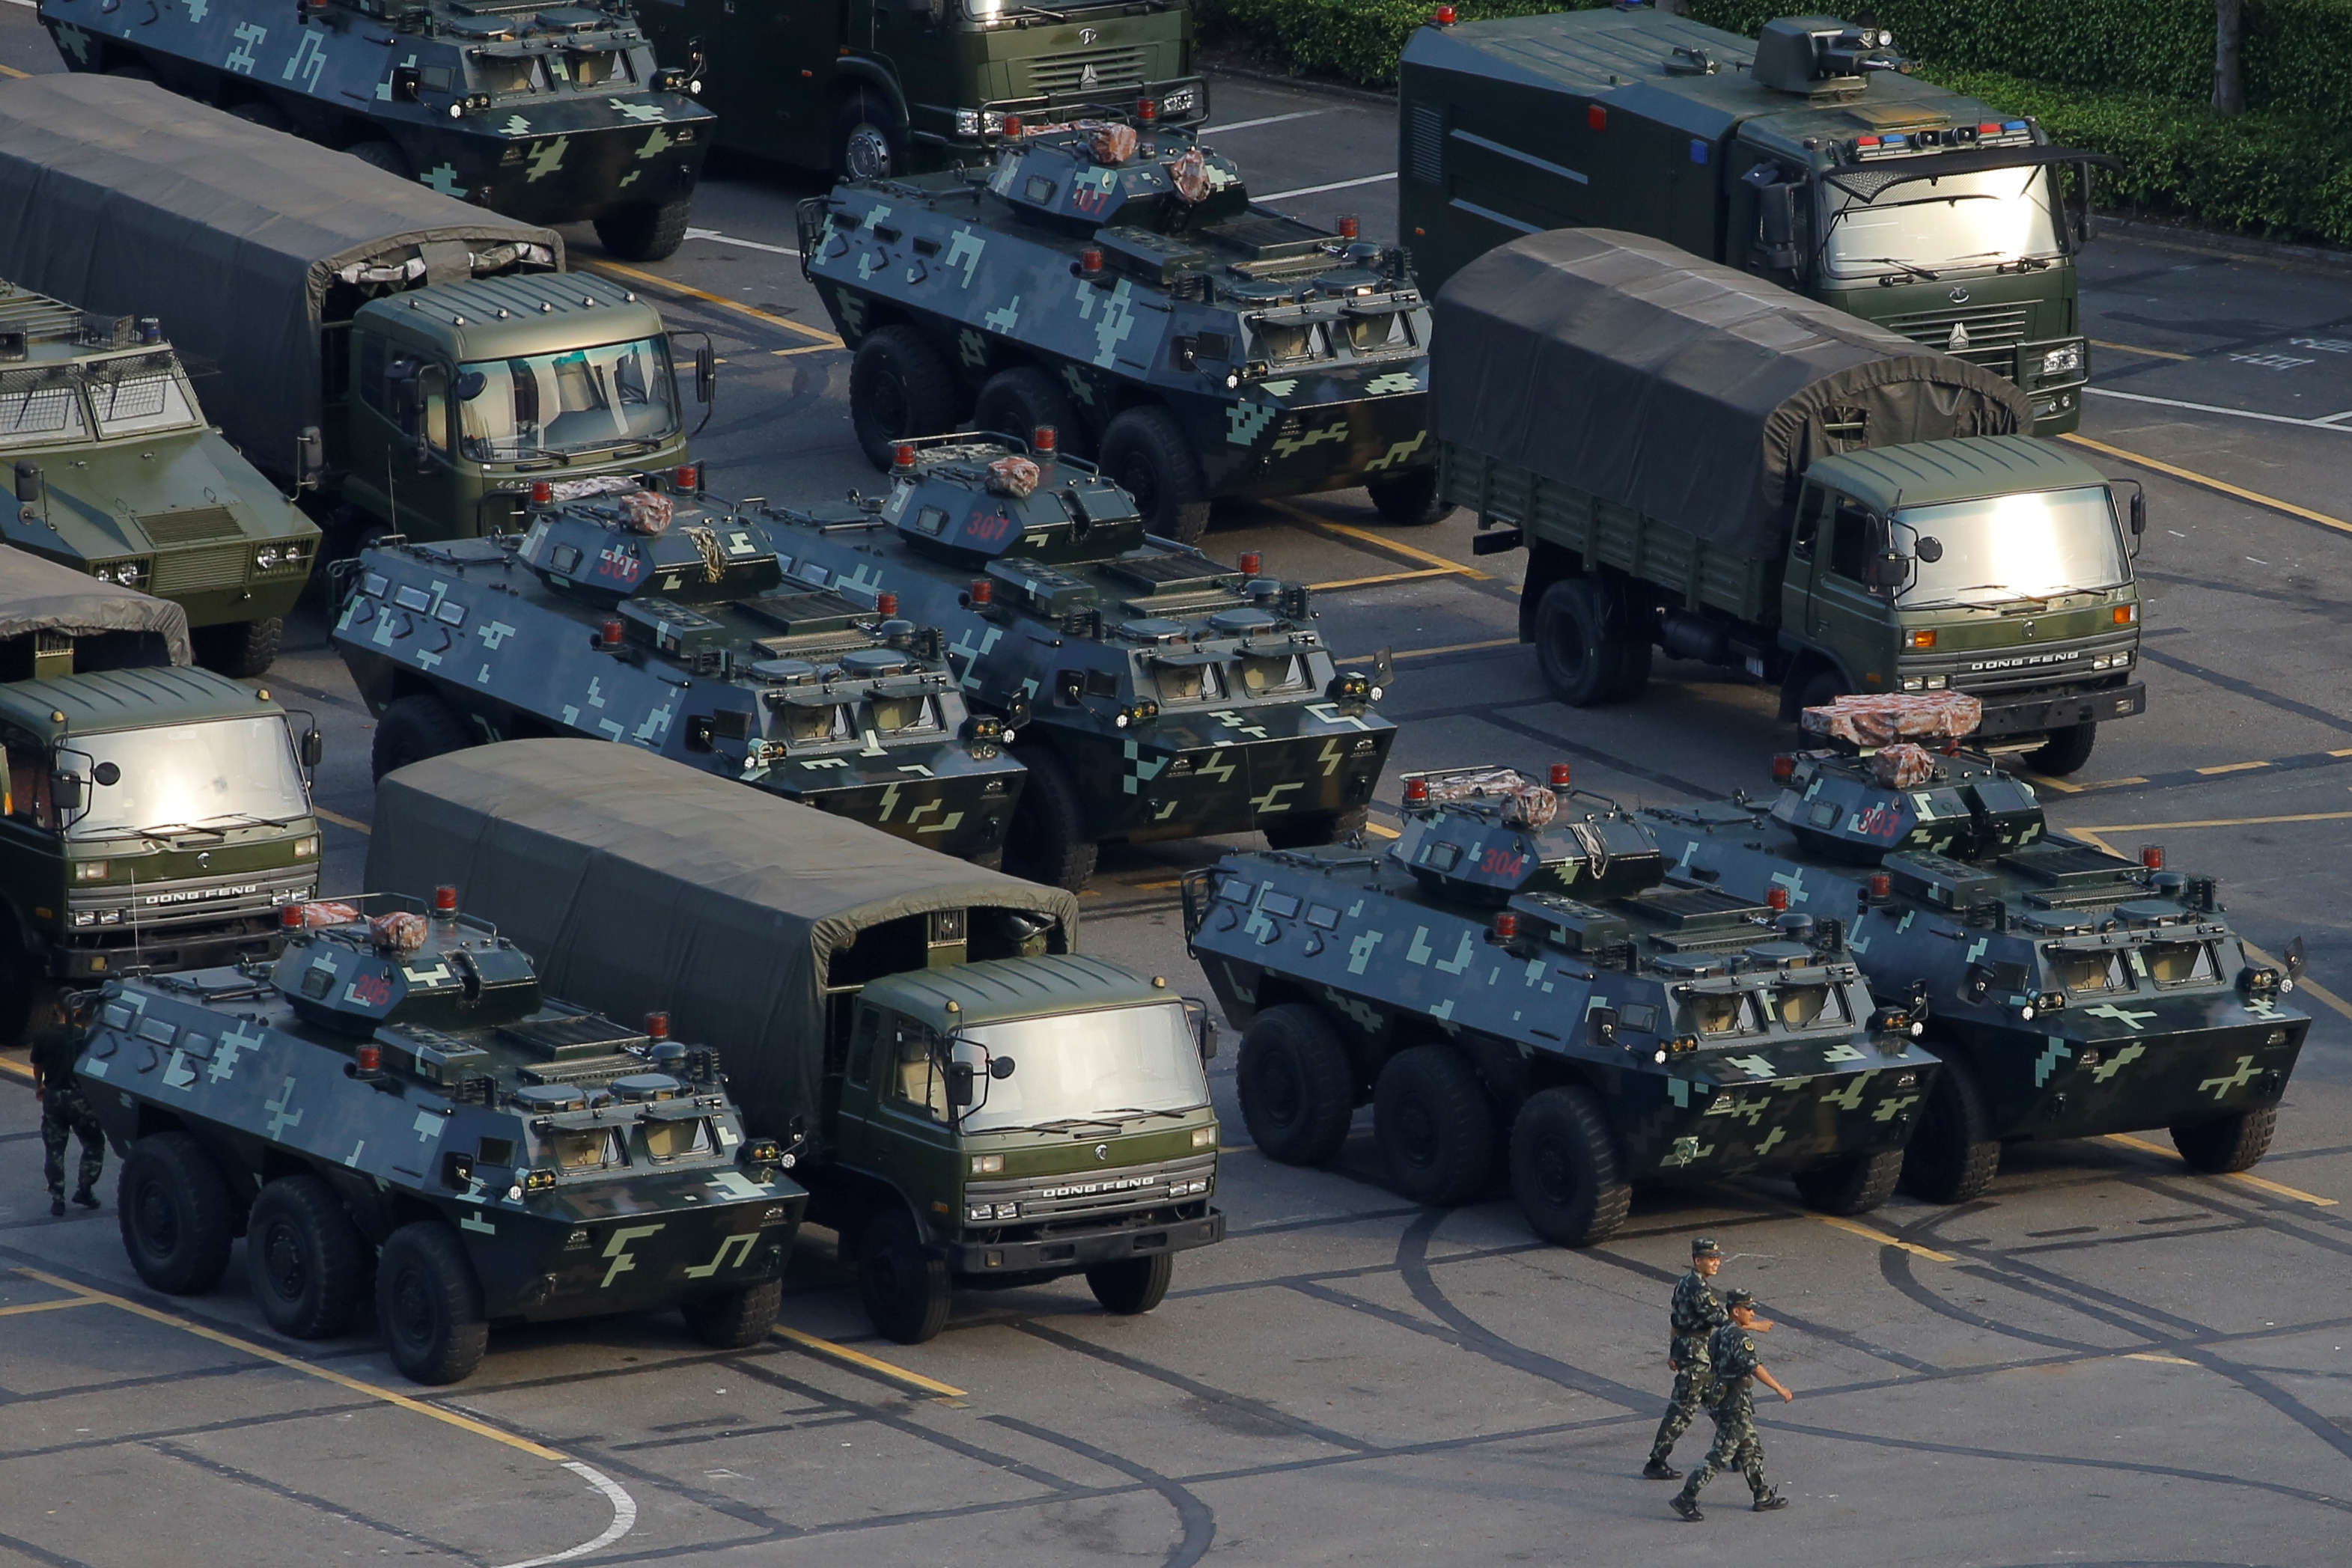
x: 1705, y: 1246
x: 1739, y: 1297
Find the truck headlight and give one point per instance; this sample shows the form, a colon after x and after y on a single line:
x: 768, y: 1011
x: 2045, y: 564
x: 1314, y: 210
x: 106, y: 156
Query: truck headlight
x: 987, y: 1164
x: 539, y: 1180
x: 1179, y: 101
x: 85, y: 917
x: 305, y: 849
x: 2062, y: 362
x: 1915, y: 683
x: 89, y: 871
x: 1205, y: 1137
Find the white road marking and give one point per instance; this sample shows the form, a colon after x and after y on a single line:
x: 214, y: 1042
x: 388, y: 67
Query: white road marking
x: 1205, y: 131
x: 2324, y: 422
x: 625, y: 1519
x: 717, y: 238
x: 1335, y: 185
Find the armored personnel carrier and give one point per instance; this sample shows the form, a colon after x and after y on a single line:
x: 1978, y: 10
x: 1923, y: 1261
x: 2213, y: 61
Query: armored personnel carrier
x: 1110, y: 277
x: 1521, y: 979
x: 2073, y: 992
x: 1156, y: 693
x: 552, y: 114
x: 394, y: 1096
x: 648, y: 616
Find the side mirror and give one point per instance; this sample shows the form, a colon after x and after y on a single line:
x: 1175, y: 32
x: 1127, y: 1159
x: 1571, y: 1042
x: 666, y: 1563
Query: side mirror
x: 1887, y: 571
x: 408, y: 394
x: 1205, y: 1028
x: 705, y: 374
x: 314, y: 747
x: 28, y: 483
x: 1601, y: 1029
x: 2294, y: 958
x: 66, y: 791
x: 960, y: 1084
x: 106, y: 775
x: 2138, y: 513
x: 1000, y: 1068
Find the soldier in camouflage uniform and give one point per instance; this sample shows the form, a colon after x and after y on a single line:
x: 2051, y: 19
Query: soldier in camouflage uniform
x: 1731, y: 1351
x: 65, y: 1114
x: 1696, y: 1314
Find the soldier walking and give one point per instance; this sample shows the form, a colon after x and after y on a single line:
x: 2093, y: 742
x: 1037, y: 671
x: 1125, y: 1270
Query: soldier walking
x: 1694, y: 1314
x: 1732, y: 1352
x: 65, y: 1115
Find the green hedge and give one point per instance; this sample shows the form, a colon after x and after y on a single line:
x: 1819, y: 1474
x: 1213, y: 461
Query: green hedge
x: 1357, y: 39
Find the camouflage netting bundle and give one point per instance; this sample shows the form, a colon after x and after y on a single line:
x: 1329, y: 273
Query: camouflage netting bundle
x: 587, y: 489
x: 1883, y: 720
x: 1521, y: 800
x: 1903, y: 766
x: 644, y: 512
x: 1108, y: 142
x: 1014, y: 475
x: 1189, y: 175
x: 315, y: 916
x: 397, y: 931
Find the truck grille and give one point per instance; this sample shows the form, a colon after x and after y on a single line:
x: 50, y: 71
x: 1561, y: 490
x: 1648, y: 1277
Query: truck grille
x: 1993, y: 332
x: 2029, y: 664
x: 189, y: 526
x: 1047, y: 1198
x: 188, y: 571
x: 1067, y: 76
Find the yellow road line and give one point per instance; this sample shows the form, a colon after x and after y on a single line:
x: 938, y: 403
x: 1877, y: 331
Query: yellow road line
x: 49, y: 1306
x: 16, y: 1069
x: 1449, y: 648
x: 2231, y: 768
x: 1867, y: 1234
x: 1398, y: 548
x: 2150, y: 353
x: 2214, y: 823
x: 2305, y: 984
x: 809, y: 349
x: 13, y: 71
x: 2151, y: 1356
x: 340, y: 821
x: 825, y: 339
x: 1383, y: 832
x: 871, y: 1363
x: 2191, y: 476
x: 307, y: 1368
x: 1381, y: 581
x: 2144, y: 1146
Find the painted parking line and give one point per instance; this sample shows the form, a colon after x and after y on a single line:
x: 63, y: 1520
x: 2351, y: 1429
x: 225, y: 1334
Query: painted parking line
x: 1334, y: 186
x: 1382, y: 581
x: 2095, y: 343
x: 717, y: 238
x: 1867, y: 1234
x: 2296, y: 1193
x: 2325, y: 422
x: 1490, y: 643
x: 2220, y: 487
x: 1349, y: 532
x: 15, y: 1069
x: 50, y: 1306
x: 1251, y: 124
x: 353, y: 823
x: 871, y: 1363
x: 2299, y: 762
x: 2161, y: 1360
x: 654, y: 280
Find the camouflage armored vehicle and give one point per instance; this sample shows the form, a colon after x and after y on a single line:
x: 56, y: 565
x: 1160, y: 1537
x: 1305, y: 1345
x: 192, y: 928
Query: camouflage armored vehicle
x: 395, y: 1098
x: 1112, y: 279
x: 985, y: 1107
x: 117, y: 475
x: 2069, y: 992
x: 1808, y: 155
x: 551, y: 114
x: 156, y: 815
x: 645, y: 616
x: 1522, y: 980
x: 401, y: 360
x: 1155, y: 693
x: 869, y: 88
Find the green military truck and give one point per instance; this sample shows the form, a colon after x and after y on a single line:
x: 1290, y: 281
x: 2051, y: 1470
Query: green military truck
x: 982, y: 1105
x: 117, y: 475
x: 867, y: 89
x: 1699, y: 461
x: 406, y: 362
x: 1808, y: 155
x: 151, y: 815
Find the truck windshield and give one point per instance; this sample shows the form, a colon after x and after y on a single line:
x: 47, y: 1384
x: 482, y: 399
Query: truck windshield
x: 581, y: 400
x: 1085, y: 1066
x: 1959, y: 220
x: 226, y: 773
x: 2032, y: 546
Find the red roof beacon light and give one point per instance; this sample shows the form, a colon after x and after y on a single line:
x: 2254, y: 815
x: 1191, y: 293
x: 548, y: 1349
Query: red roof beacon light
x: 1250, y: 562
x: 885, y: 605
x: 1351, y: 225
x: 1416, y: 791
x: 902, y: 457
x: 2152, y: 856
x: 658, y: 1027
x: 983, y: 592
x: 1559, y: 774
x: 542, y: 494
x: 445, y: 902
x: 1777, y: 900
x: 1444, y: 18
x: 1044, y: 440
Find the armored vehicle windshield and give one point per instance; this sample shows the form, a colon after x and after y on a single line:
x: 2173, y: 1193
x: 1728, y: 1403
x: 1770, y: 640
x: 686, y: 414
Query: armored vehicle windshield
x: 1523, y: 955
x: 394, y: 1096
x: 1157, y: 693
x: 1110, y: 277
x: 650, y: 614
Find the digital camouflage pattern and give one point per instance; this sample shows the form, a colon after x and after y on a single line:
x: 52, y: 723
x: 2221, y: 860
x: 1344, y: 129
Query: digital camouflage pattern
x: 551, y: 114
x: 1732, y: 1350
x: 721, y: 664
x: 585, y: 1167
x: 1695, y: 1313
x: 1176, y: 695
x: 1292, y: 360
x: 65, y: 1116
x: 2083, y: 993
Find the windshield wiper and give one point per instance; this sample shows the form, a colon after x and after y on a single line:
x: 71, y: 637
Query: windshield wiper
x: 1125, y: 1111
x: 1913, y: 270
x: 1066, y: 1124
x: 248, y: 820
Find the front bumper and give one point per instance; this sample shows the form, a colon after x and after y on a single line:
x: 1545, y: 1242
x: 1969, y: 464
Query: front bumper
x: 1337, y: 434
x: 2077, y: 1084
x: 561, y: 171
x: 2039, y: 711
x: 1775, y: 1124
x: 963, y: 812
x: 1140, y: 1239
x: 544, y: 1266
x: 1227, y: 772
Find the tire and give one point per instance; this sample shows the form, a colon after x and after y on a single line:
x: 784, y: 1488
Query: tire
x: 2064, y: 751
x: 1822, y: 689
x: 1016, y: 401
x: 429, y: 1304
x: 1132, y: 1286
x: 866, y: 145
x: 736, y: 1319
x: 1952, y: 1156
x: 266, y: 115
x: 1409, y: 500
x: 1437, y: 1133
x: 898, y: 388
x: 1308, y: 828
x: 904, y: 1286
x: 384, y: 155
x: 646, y: 230
x: 1584, y: 662
x: 173, y: 1207
x: 239, y: 649
x: 306, y: 1262
x: 1564, y: 1168
x: 1047, y: 840
x: 2231, y: 1143
x: 1855, y: 1184
x: 415, y: 728
x: 1145, y: 453
x: 1297, y: 1086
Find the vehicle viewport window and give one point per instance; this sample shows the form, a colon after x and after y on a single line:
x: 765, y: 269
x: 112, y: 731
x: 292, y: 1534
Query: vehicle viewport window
x: 2082, y: 972
x: 1718, y: 1015
x: 587, y: 1148
x: 2178, y: 963
x: 28, y: 784
x: 669, y: 1140
x: 1282, y: 673
x: 1850, y: 539
x: 917, y: 1083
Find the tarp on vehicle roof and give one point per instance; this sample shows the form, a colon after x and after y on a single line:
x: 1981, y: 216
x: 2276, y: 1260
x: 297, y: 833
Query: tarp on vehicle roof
x: 1699, y: 395
x: 122, y: 199
x: 38, y: 595
x: 640, y: 884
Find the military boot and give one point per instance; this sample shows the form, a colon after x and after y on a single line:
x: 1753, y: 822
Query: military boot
x: 85, y: 1197
x: 57, y: 1206
x: 1657, y: 1469
x: 1770, y: 1504
x: 1685, y: 1506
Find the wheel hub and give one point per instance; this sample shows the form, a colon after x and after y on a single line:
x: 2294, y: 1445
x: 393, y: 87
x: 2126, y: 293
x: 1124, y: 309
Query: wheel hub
x: 866, y: 152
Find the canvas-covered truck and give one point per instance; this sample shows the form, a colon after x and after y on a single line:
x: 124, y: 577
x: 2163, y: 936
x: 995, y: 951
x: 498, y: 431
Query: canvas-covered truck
x: 151, y: 815
x: 1699, y: 461
x: 1808, y: 155
x: 982, y: 1105
x: 405, y: 361
x: 868, y: 89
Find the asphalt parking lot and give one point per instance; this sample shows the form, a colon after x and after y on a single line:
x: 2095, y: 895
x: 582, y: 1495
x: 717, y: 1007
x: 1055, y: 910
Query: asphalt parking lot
x: 2103, y: 1361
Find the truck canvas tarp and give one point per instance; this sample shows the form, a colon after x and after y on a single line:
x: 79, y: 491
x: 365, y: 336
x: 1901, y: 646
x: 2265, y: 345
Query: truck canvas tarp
x: 1678, y: 387
x: 37, y: 595
x: 128, y: 200
x: 626, y: 876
